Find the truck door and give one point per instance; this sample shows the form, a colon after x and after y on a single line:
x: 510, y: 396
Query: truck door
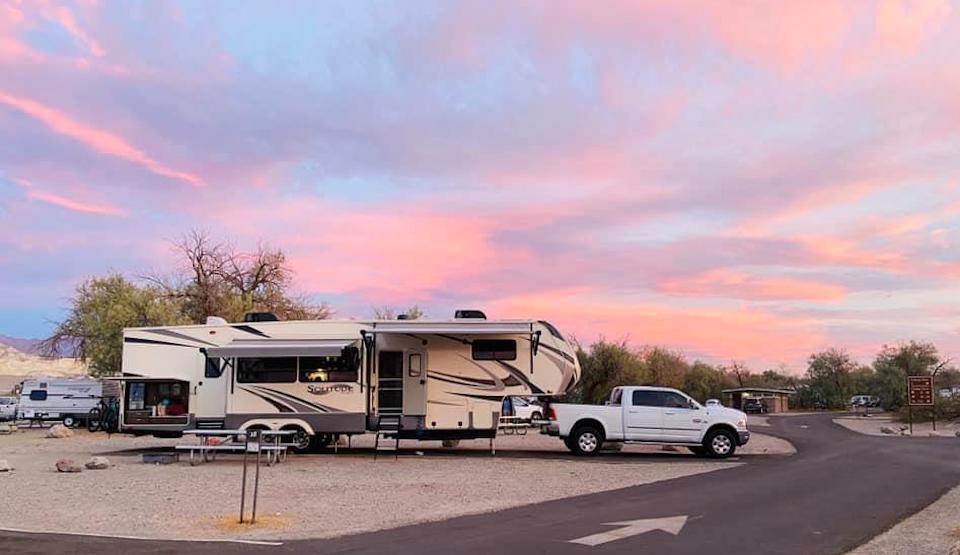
x: 644, y: 416
x: 681, y: 422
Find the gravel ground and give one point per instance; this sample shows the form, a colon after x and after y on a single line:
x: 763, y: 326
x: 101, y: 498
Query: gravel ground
x: 933, y: 531
x: 871, y: 426
x: 311, y: 495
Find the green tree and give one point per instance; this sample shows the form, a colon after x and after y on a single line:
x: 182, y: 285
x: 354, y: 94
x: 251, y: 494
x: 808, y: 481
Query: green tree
x: 702, y: 381
x: 894, y: 363
x: 662, y: 367
x: 604, y: 367
x: 390, y: 313
x: 99, y: 311
x: 828, y: 375
x: 213, y: 278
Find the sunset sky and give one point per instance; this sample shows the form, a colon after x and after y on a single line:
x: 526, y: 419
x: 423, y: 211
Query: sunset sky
x: 736, y: 180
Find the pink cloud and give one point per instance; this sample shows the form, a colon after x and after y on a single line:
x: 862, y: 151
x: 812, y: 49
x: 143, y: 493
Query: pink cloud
x: 65, y: 18
x: 98, y: 140
x: 904, y: 25
x: 724, y: 283
x: 76, y: 206
x: 719, y: 334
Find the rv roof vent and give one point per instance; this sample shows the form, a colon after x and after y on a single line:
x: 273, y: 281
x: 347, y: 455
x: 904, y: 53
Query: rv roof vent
x: 216, y: 321
x: 403, y: 316
x: 470, y: 314
x: 260, y: 317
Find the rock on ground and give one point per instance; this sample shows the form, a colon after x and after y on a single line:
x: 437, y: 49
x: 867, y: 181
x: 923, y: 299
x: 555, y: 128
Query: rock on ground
x: 60, y: 431
x: 887, y: 430
x: 5, y: 466
x: 97, y: 463
x: 67, y: 465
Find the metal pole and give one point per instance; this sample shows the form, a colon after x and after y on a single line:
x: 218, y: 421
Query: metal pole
x: 243, y: 481
x: 910, y: 413
x: 256, y: 479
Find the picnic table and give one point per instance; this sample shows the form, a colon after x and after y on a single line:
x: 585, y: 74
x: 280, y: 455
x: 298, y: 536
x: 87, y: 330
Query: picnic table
x: 268, y: 441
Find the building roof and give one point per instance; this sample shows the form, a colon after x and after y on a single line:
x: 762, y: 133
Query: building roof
x: 760, y: 390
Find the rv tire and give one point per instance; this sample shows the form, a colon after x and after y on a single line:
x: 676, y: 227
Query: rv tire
x: 69, y: 421
x: 301, y: 441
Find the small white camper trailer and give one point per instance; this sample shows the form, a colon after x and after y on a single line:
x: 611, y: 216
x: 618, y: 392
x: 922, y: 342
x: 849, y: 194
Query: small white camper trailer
x: 66, y: 399
x: 435, y: 379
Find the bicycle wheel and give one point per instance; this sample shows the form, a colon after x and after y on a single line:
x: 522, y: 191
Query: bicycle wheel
x: 94, y: 420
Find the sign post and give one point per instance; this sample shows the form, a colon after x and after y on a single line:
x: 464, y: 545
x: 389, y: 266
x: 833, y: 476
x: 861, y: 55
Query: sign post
x: 919, y: 394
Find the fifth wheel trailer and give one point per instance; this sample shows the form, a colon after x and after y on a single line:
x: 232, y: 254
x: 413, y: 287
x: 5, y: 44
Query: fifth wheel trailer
x: 439, y: 379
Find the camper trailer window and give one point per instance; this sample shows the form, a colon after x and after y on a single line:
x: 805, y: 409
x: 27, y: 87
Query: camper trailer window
x: 213, y: 369
x: 494, y: 349
x: 263, y: 370
x: 326, y: 369
x: 38, y: 395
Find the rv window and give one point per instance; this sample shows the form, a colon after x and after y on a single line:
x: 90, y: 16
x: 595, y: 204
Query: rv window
x: 327, y: 369
x: 213, y: 369
x: 38, y: 395
x: 267, y: 370
x: 494, y: 349
x: 415, y: 365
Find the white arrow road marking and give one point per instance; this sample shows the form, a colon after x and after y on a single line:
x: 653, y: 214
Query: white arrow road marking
x: 671, y: 524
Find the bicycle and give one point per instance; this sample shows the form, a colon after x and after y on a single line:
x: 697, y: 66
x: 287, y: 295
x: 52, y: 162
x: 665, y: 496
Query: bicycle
x: 104, y: 417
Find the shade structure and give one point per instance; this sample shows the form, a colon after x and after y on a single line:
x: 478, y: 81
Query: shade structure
x: 452, y: 328
x: 272, y: 348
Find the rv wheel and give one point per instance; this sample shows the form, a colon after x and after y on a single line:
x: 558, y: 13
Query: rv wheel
x: 301, y: 441
x: 69, y: 421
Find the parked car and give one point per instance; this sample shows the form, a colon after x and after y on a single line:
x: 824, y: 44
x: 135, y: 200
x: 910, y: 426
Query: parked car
x: 858, y: 401
x: 649, y: 415
x: 527, y: 409
x: 8, y: 408
x: 754, y: 406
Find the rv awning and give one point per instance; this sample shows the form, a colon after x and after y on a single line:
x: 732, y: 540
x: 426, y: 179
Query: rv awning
x: 451, y: 328
x: 272, y: 348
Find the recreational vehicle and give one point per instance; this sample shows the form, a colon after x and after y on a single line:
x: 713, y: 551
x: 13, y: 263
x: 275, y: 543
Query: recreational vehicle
x: 321, y: 378
x: 8, y: 408
x: 66, y: 399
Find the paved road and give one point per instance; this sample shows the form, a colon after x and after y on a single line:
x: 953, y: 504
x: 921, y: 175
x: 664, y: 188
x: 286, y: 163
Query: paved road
x: 839, y: 490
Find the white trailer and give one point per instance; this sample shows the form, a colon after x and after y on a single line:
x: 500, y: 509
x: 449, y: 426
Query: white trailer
x: 433, y: 379
x: 66, y: 399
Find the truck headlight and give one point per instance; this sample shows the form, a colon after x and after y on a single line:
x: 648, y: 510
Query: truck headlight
x: 742, y: 423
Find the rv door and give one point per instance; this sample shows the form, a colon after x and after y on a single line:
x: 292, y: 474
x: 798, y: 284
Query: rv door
x: 415, y: 383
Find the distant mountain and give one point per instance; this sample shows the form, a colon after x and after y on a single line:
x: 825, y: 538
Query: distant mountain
x: 29, y: 346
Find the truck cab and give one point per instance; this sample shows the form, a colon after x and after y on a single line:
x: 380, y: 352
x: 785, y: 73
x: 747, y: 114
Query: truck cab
x: 649, y: 415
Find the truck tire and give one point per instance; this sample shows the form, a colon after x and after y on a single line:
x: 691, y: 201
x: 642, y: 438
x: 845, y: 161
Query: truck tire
x: 698, y: 451
x: 585, y: 440
x: 720, y: 443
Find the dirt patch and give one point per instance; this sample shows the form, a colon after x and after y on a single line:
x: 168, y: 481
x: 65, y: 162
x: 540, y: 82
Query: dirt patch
x: 348, y: 493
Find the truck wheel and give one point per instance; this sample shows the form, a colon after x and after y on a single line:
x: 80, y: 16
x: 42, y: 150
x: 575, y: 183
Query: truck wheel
x: 720, y: 443
x: 586, y: 440
x: 698, y: 451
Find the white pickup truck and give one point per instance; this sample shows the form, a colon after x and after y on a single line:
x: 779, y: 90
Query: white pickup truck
x: 649, y: 415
